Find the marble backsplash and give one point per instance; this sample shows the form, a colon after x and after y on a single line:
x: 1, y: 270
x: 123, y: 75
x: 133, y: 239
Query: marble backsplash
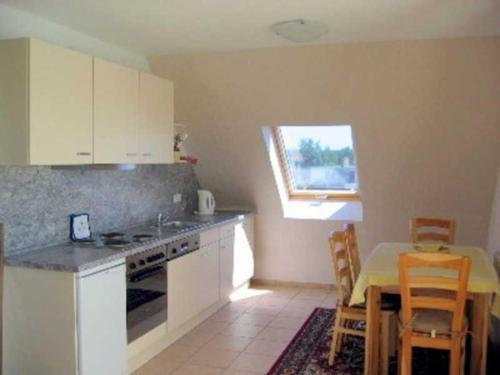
x: 35, y: 202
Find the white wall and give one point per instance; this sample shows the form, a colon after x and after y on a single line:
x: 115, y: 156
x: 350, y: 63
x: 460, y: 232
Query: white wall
x: 426, y: 117
x: 494, y: 232
x: 15, y: 23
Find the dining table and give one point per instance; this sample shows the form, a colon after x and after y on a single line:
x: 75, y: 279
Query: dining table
x: 379, y: 274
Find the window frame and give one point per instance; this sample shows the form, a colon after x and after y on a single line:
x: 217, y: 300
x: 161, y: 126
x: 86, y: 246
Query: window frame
x: 315, y: 195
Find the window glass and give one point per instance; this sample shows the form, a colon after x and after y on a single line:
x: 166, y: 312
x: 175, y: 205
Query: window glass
x: 318, y: 158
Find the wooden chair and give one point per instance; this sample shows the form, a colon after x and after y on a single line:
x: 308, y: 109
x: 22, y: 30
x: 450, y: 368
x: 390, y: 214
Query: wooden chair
x: 433, y: 320
x: 352, y: 251
x: 347, y: 317
x: 435, y: 230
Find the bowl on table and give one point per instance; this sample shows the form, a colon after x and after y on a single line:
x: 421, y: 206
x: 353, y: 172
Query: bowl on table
x: 431, y: 248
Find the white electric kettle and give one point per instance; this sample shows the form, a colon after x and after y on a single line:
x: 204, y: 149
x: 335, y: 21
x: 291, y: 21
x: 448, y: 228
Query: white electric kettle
x: 206, y: 202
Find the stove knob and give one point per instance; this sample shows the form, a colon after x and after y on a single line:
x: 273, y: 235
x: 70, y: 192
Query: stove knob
x: 132, y: 266
x: 142, y: 262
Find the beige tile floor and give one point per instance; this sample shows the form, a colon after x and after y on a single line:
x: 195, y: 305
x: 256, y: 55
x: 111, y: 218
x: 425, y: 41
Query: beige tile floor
x: 244, y: 337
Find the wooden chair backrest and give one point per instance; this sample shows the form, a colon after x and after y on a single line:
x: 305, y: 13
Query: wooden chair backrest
x: 341, y: 268
x: 353, y: 251
x: 434, y: 230
x: 453, y: 302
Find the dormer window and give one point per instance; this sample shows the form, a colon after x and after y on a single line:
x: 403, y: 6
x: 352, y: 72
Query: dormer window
x: 318, y: 162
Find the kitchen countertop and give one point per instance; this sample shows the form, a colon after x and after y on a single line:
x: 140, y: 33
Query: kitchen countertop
x: 75, y: 257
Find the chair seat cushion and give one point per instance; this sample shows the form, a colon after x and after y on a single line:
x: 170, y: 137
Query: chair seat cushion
x: 426, y: 321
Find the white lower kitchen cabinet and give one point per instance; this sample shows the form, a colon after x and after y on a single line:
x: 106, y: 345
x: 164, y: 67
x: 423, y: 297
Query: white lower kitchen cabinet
x: 243, y: 253
x: 226, y: 267
x: 102, y: 325
x: 208, y: 276
x: 182, y: 289
x: 193, y: 284
x: 61, y: 323
x: 236, y: 256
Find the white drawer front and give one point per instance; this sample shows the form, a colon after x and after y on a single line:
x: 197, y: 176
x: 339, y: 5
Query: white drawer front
x: 226, y: 231
x: 209, y: 236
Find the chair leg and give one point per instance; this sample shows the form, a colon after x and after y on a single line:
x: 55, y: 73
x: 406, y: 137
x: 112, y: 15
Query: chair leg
x: 335, y: 337
x: 340, y: 342
x: 393, y: 332
x: 406, y: 356
x: 456, y: 357
x: 385, y: 342
x: 400, y: 357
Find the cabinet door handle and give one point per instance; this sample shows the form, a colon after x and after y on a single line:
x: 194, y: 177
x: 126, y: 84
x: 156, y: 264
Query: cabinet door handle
x: 147, y: 154
x: 131, y: 154
x: 83, y: 154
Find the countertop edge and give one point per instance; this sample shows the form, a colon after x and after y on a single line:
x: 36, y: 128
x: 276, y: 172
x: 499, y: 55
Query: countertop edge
x: 16, y: 260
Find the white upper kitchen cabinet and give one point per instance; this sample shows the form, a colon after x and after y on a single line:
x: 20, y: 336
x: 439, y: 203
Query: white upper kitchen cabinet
x: 45, y: 104
x: 156, y: 125
x: 116, y: 113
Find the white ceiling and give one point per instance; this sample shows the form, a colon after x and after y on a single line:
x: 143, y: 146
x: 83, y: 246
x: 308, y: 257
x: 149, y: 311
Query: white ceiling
x: 156, y: 27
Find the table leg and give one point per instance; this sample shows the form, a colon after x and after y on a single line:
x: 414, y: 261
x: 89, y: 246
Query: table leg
x: 480, y: 326
x: 372, y: 331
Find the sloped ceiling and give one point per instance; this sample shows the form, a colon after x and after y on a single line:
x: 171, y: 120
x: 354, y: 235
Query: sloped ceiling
x: 157, y: 27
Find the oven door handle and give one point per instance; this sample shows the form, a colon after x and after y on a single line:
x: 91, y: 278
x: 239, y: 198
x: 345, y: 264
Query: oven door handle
x: 148, y: 273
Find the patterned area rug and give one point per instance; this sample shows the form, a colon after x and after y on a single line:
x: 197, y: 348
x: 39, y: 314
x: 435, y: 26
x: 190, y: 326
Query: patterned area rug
x: 307, y: 353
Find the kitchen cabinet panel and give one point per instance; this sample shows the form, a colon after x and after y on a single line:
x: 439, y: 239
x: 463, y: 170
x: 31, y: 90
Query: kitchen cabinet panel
x: 156, y: 111
x: 226, y: 267
x: 237, y: 262
x: 39, y: 308
x: 102, y: 326
x: 208, y: 276
x: 62, y: 107
x: 209, y: 236
x: 243, y: 253
x: 59, y: 323
x: 193, y: 284
x: 45, y: 104
x: 182, y: 289
x: 226, y: 231
x: 116, y: 113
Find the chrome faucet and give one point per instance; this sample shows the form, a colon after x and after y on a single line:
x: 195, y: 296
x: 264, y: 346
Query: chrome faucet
x: 159, y: 220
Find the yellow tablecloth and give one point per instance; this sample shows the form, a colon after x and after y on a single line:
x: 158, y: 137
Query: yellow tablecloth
x: 381, y: 269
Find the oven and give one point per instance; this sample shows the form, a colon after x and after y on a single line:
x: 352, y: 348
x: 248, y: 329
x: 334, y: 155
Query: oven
x: 146, y: 291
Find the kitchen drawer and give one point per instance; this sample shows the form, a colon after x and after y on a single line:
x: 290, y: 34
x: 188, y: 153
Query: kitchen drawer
x: 226, y: 231
x: 209, y: 236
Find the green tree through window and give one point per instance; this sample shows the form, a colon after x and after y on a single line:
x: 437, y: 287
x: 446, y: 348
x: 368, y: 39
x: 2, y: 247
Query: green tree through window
x: 319, y: 157
x: 313, y: 155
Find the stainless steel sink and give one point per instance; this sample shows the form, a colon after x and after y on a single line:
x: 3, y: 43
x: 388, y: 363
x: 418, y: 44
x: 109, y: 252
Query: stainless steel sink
x: 179, y: 225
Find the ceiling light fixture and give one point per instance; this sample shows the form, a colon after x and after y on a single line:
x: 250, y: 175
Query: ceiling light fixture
x: 300, y: 30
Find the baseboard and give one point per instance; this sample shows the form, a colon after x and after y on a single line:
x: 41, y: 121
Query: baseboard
x: 292, y: 284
